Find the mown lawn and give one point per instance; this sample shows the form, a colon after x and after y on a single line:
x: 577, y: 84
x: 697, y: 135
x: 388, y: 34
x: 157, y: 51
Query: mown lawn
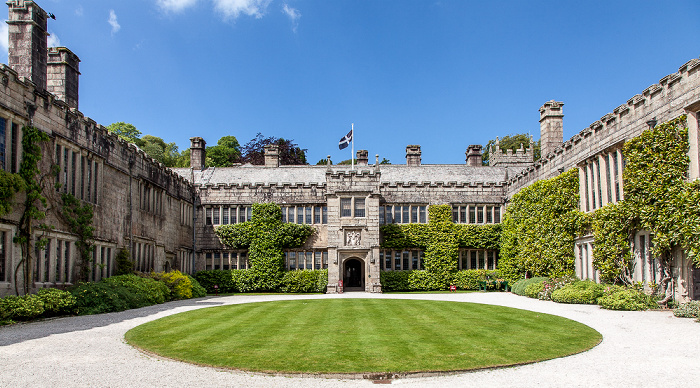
x: 362, y: 335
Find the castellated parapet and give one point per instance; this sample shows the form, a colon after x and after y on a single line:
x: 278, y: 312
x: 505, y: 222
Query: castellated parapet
x: 664, y: 101
x: 522, y: 157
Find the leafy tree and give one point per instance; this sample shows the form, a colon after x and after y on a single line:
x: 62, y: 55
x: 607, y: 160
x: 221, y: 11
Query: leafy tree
x: 323, y: 162
x: 184, y: 159
x: 125, y: 131
x: 158, y: 149
x: 385, y: 161
x: 511, y: 142
x: 290, y: 153
x: 225, y: 153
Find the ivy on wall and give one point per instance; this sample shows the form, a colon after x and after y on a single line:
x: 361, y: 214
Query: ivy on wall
x: 265, y: 237
x: 539, y: 228
x: 79, y: 220
x: 440, y: 239
x: 657, y: 199
x: 10, y: 184
x: 35, y: 202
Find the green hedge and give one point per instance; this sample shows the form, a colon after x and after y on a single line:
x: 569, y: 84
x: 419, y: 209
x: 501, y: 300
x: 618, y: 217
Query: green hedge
x: 243, y: 280
x: 582, y: 292
x: 304, y: 281
x: 415, y: 280
x: 518, y: 287
x: 151, y: 291
x: 622, y: 298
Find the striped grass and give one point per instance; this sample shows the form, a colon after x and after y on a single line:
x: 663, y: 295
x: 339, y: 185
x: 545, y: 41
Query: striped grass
x: 362, y: 335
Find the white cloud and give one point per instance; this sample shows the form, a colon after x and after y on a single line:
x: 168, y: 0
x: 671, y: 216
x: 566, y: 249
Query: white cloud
x: 4, y: 37
x: 175, y: 5
x: 293, y: 15
x: 113, y: 22
x: 53, y: 40
x: 79, y: 11
x: 234, y: 8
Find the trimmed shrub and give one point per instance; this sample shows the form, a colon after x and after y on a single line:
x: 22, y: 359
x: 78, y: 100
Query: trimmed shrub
x: 519, y: 286
x: 56, y: 302
x: 152, y: 291
x: 582, y: 292
x: 102, y: 297
x: 179, y: 284
x: 304, y: 281
x: 247, y: 281
x: 394, y: 280
x: 21, y: 307
x: 551, y: 285
x: 688, y: 310
x: 222, y: 278
x: 621, y: 298
x: 533, y: 290
x: 428, y: 281
x: 197, y: 290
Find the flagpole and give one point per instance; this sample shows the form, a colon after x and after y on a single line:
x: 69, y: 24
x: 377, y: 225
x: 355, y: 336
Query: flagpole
x: 352, y: 155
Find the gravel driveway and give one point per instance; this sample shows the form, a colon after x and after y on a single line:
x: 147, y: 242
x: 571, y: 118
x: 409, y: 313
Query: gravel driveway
x: 639, y: 349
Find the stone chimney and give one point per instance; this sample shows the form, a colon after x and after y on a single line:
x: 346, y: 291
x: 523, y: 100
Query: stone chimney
x: 27, y: 41
x: 413, y: 155
x: 362, y: 158
x: 551, y: 126
x: 474, y: 157
x: 62, y: 75
x: 272, y: 155
x: 198, y: 153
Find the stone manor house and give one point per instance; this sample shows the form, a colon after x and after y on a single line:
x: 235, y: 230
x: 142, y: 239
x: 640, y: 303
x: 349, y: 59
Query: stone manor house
x: 166, y: 217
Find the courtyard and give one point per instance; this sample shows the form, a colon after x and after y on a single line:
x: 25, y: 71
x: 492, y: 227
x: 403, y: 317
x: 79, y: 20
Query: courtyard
x: 638, y: 348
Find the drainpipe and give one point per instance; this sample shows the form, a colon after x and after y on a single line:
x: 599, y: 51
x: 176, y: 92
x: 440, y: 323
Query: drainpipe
x: 194, y: 222
x: 132, y: 161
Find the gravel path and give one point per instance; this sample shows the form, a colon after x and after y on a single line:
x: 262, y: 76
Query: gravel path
x: 639, y: 349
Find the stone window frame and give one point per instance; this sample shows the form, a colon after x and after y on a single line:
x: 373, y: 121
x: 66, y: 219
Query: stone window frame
x: 11, y: 144
x: 311, y: 214
x: 5, y: 254
x: 599, y: 188
x: 151, y: 198
x: 144, y: 255
x: 472, y: 258
x: 353, y: 209
x: 392, y: 257
x: 103, y: 256
x: 55, y: 263
x: 318, y: 259
x: 388, y: 211
x: 235, y: 214
x: 477, y: 213
x: 79, y: 171
x: 224, y: 258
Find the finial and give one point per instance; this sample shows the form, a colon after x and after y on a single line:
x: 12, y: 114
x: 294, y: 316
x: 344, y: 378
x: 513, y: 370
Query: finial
x: 328, y: 160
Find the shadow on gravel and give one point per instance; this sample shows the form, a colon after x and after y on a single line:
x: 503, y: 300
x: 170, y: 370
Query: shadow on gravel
x: 21, y: 332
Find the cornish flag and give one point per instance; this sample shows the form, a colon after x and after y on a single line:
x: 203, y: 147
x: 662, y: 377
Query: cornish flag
x: 345, y: 140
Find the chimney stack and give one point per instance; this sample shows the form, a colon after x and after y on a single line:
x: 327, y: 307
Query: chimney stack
x: 362, y: 158
x: 27, y: 41
x: 551, y: 126
x: 474, y: 156
x: 197, y: 153
x: 62, y: 75
x: 272, y: 155
x: 413, y: 155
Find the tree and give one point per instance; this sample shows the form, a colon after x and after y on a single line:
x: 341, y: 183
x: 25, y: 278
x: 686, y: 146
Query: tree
x: 158, y: 149
x: 125, y: 131
x: 385, y: 161
x: 290, y: 153
x: 511, y: 142
x: 225, y: 153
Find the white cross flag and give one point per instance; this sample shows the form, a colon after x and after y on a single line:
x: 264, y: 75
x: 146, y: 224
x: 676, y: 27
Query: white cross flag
x: 345, y: 141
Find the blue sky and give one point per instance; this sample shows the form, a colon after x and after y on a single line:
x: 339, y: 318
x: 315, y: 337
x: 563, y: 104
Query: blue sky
x: 442, y: 74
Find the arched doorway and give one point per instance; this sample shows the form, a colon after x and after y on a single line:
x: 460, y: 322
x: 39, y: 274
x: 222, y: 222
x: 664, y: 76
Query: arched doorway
x: 353, y: 274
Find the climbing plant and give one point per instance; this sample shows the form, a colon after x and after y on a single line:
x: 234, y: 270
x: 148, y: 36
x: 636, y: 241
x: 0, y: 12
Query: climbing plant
x: 658, y: 199
x: 265, y: 237
x: 539, y: 228
x: 440, y: 239
x: 10, y: 184
x: 34, y: 204
x: 78, y: 216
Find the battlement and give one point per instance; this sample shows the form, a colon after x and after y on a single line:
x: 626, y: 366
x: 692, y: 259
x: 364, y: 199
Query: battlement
x: 664, y: 101
x: 521, y: 157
